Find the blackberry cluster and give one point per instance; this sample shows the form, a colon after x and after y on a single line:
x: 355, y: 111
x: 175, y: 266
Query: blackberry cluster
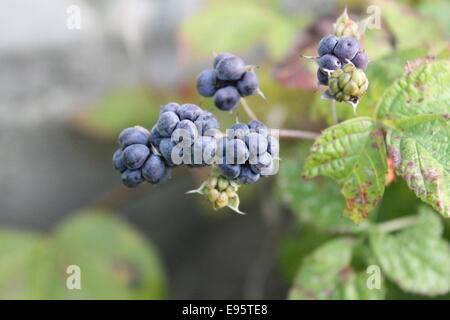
x: 334, y: 53
x: 247, y: 152
x: 136, y: 161
x: 183, y: 135
x: 342, y: 54
x: 230, y: 80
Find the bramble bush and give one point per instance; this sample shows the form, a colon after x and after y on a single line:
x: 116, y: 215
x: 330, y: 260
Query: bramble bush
x: 369, y: 196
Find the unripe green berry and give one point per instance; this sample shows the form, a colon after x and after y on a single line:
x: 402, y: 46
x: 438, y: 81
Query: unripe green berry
x: 222, y: 183
x: 231, y: 192
x: 213, y: 195
x: 212, y: 183
x: 348, y: 84
x: 222, y: 201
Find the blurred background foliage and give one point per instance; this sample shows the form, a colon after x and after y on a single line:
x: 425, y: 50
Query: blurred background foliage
x: 304, y: 240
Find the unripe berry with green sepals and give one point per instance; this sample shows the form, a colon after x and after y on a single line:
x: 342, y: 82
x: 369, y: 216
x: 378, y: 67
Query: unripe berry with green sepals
x: 348, y: 84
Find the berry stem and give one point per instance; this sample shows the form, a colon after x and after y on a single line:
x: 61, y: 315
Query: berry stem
x: 296, y: 134
x: 114, y: 198
x: 334, y: 112
x: 397, y: 224
x: 248, y: 110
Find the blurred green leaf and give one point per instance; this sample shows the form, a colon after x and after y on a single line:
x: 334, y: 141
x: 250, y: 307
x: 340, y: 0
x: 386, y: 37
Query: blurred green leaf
x: 445, y: 53
x: 416, y: 109
x: 437, y: 11
x: 317, y: 202
x: 404, y: 23
x: 383, y: 72
x: 23, y: 267
x: 117, y: 111
x: 294, y: 246
x: 115, y: 261
x: 416, y: 258
x: 326, y: 274
x: 237, y: 25
x: 376, y: 44
x: 353, y: 154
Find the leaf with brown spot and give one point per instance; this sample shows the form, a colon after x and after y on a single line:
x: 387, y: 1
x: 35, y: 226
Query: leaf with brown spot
x: 346, y: 153
x: 327, y: 274
x: 416, y: 110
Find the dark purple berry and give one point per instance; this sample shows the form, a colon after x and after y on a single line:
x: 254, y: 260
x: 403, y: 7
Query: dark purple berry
x: 327, y: 44
x: 135, y: 155
x: 203, y: 151
x: 259, y: 127
x: 232, y: 151
x: 230, y: 68
x: 322, y: 77
x: 247, y: 176
x: 261, y: 161
x: 207, y: 124
x: 273, y: 146
x: 256, y: 143
x: 165, y: 148
x: 238, y: 131
x: 185, y: 132
x: 155, y: 137
x: 167, y: 123
x: 231, y: 171
x: 134, y: 135
x: 172, y: 106
x: 346, y: 48
x: 222, y: 56
x: 227, y: 98
x: 117, y: 161
x: 248, y: 85
x: 133, y: 178
x: 189, y: 111
x: 206, y: 83
x: 329, y: 62
x: 155, y: 170
x: 360, y: 60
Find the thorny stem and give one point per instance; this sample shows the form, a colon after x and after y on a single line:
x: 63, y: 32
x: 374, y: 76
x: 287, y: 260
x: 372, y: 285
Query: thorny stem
x: 397, y: 224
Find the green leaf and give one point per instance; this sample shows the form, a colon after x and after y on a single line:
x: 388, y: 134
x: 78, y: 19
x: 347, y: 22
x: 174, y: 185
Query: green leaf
x: 416, y: 110
x: 238, y: 25
x: 437, y: 10
x: 117, y: 111
x: 416, y: 258
x: 116, y: 262
x: 383, y: 72
x: 403, y: 22
x: 23, y: 268
x: 317, y: 202
x: 326, y: 274
x: 353, y: 154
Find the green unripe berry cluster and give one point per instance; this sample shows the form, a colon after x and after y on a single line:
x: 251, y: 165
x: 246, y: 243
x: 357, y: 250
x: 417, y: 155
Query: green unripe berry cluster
x: 348, y: 84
